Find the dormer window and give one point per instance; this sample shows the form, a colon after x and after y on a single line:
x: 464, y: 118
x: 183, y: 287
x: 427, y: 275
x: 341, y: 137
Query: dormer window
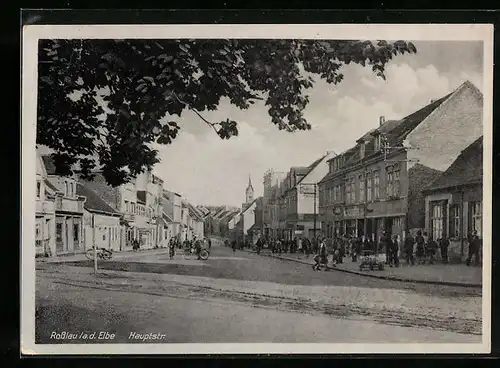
x: 377, y: 142
x: 362, y: 148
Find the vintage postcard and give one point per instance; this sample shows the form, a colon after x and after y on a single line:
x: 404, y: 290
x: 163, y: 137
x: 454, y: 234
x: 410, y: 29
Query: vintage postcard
x: 231, y: 189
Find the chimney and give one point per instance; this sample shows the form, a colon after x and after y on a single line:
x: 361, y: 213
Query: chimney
x: 382, y: 120
x: 433, y: 100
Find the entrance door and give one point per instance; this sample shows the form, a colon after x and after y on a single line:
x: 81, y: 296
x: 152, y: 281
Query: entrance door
x: 388, y: 221
x: 59, y: 236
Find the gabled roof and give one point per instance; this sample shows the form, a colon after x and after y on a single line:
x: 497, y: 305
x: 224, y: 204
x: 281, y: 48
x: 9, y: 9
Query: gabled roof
x: 466, y: 169
x: 50, y: 186
x: 312, y: 167
x: 249, y: 205
x: 50, y: 167
x: 93, y: 201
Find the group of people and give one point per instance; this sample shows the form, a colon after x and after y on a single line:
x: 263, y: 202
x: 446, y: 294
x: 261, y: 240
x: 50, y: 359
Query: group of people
x: 280, y: 245
x: 195, y: 243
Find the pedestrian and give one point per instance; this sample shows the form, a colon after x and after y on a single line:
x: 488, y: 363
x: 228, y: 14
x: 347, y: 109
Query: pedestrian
x: 171, y: 248
x: 420, y: 240
x: 385, y: 246
x: 409, y: 244
x: 321, y: 258
x: 444, y: 243
x: 234, y: 246
x: 259, y: 245
x: 395, y: 251
x: 474, y: 246
x: 431, y: 250
x: 209, y: 244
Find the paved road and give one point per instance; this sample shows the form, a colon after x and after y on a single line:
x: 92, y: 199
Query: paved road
x: 81, y: 310
x: 244, y: 297
x: 242, y: 265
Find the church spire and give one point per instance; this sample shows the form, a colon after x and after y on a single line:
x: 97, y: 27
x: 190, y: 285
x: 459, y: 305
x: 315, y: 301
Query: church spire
x: 249, y: 182
x: 249, y: 192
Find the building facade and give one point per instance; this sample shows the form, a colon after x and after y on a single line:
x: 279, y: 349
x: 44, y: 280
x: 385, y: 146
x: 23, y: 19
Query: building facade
x: 377, y: 185
x: 454, y: 201
x: 102, y: 224
x: 68, y: 211
x: 45, y: 214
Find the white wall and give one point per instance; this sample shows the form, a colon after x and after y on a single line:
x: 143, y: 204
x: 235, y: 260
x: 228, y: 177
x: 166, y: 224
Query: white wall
x: 448, y: 130
x: 107, y: 231
x: 249, y: 218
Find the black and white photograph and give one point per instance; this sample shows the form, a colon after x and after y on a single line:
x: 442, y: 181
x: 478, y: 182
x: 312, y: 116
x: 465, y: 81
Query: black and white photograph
x: 256, y: 189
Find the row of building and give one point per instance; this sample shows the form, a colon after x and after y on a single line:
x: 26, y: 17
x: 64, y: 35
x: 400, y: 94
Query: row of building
x: 72, y: 214
x: 423, y: 172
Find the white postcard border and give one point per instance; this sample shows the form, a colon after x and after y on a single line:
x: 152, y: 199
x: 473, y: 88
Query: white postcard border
x: 429, y: 32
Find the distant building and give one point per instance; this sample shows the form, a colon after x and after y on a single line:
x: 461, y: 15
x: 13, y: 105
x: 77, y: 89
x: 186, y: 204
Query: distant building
x: 45, y: 213
x: 103, y: 227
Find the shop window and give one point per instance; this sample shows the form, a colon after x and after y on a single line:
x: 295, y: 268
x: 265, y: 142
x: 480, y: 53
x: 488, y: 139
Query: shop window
x: 455, y: 221
x: 476, y: 217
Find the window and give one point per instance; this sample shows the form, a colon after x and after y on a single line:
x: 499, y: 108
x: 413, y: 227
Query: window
x: 455, y: 221
x: 38, y: 234
x: 438, y: 209
x: 353, y: 190
x: 66, y: 188
x: 376, y: 185
x: 396, y: 183
x: 476, y: 217
x: 362, y: 150
x: 369, y: 187
x: 377, y: 143
x: 361, y: 188
x: 347, y: 191
x: 389, y: 183
x: 104, y: 234
x: 76, y: 232
x: 59, y: 237
x: 38, y: 188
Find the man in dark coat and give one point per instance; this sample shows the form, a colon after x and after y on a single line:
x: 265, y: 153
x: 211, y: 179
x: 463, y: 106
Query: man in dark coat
x: 444, y: 243
x: 474, y: 246
x: 394, y: 251
x: 409, y: 244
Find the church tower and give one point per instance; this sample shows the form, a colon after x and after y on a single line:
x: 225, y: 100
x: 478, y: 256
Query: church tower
x: 249, y: 191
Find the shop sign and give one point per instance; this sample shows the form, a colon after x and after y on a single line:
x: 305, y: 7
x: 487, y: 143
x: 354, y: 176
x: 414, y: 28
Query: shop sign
x: 353, y: 211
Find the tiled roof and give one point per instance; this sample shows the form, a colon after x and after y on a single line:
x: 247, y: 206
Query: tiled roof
x: 93, y: 201
x: 300, y: 170
x: 311, y: 167
x: 398, y: 134
x: 466, y: 169
x: 167, y: 218
x: 395, y: 131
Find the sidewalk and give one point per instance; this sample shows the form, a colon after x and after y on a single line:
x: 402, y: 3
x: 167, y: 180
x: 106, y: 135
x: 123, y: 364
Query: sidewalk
x: 451, y: 274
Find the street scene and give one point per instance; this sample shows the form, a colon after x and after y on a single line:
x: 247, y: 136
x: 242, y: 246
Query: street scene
x: 258, y: 191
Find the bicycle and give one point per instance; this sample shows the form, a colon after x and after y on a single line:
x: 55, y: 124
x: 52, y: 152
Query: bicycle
x: 102, y: 253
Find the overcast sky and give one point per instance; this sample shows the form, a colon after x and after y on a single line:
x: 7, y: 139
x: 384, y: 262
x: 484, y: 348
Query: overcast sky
x: 211, y: 171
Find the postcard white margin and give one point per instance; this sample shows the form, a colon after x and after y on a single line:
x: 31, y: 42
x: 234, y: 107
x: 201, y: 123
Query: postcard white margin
x: 416, y: 32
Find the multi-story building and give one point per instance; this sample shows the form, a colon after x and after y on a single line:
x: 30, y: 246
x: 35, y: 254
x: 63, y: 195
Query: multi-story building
x: 149, y: 189
x: 454, y: 201
x: 172, y: 205
x: 272, y: 180
x: 69, y: 210
x: 377, y: 185
x: 45, y: 213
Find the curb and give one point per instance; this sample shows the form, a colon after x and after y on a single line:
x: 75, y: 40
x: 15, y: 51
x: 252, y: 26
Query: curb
x: 390, y: 278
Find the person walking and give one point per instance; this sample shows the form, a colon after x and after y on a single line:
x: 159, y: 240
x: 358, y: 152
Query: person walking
x: 321, y: 258
x: 171, y: 248
x: 444, y: 243
x: 474, y: 246
x: 233, y: 245
x: 395, y: 251
x: 431, y: 250
x: 420, y: 240
x: 409, y: 244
